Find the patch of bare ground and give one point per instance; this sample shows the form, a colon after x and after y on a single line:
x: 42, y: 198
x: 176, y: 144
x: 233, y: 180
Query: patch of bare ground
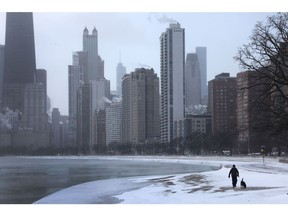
x: 224, y: 189
x: 193, y: 179
x: 165, y: 180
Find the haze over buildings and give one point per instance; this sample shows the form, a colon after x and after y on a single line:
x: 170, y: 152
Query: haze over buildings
x: 136, y: 36
x: 145, y: 114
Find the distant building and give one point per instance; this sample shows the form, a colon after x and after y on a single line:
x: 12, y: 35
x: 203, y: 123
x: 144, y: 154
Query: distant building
x: 192, y: 81
x: 222, y: 103
x: 143, y: 122
x: 120, y: 72
x: 113, y: 122
x: 126, y: 109
x: 83, y: 119
x: 2, y: 48
x: 202, y: 58
x: 55, y: 126
x: 76, y: 73
x: 64, y: 120
x: 172, y: 65
x: 19, y: 59
x: 24, y: 87
x: 99, y: 131
x: 198, y: 124
x: 35, y: 115
x: 95, y: 63
x: 41, y: 77
x: 249, y: 114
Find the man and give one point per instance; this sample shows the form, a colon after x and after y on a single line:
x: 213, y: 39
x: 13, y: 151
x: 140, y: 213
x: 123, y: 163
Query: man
x: 234, y: 173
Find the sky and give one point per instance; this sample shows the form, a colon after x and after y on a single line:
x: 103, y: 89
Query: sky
x: 266, y: 181
x: 132, y: 38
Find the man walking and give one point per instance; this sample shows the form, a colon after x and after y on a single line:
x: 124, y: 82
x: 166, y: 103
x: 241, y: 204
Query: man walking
x: 234, y: 173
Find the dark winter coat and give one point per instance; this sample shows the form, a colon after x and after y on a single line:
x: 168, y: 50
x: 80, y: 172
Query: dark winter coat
x: 234, y: 172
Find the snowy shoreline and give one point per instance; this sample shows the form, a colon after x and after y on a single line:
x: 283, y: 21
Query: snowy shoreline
x: 267, y: 183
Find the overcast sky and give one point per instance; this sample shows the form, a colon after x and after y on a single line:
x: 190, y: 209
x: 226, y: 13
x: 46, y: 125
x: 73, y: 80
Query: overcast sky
x: 134, y: 37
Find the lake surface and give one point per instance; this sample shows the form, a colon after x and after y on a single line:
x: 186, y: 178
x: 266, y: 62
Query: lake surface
x: 24, y: 180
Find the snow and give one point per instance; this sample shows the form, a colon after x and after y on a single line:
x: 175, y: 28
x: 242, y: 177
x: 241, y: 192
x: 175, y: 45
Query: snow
x: 267, y: 183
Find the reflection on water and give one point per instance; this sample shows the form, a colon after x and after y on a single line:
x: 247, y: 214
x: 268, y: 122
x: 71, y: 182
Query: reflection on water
x: 25, y: 179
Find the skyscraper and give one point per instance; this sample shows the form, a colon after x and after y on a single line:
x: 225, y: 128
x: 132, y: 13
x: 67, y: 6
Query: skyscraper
x: 222, y: 103
x: 20, y: 64
x: 143, y: 122
x: 113, y: 122
x: 55, y: 128
x: 120, y: 72
x: 95, y: 63
x: 19, y: 59
x: 77, y: 73
x: 24, y: 89
x: 2, y: 48
x: 192, y: 82
x: 126, y: 109
x: 202, y: 57
x: 172, y: 66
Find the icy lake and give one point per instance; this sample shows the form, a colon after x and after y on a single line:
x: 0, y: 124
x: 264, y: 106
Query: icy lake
x: 24, y: 180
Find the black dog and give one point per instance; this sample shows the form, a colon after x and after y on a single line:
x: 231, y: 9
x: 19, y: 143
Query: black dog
x: 243, y: 184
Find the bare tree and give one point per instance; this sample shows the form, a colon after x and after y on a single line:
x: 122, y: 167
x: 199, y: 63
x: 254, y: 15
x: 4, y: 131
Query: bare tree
x: 266, y: 55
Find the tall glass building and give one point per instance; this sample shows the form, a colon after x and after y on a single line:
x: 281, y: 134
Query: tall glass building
x: 172, y: 67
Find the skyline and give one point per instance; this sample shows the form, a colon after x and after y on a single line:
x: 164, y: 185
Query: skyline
x: 133, y: 40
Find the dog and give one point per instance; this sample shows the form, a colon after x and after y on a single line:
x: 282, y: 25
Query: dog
x: 243, y: 184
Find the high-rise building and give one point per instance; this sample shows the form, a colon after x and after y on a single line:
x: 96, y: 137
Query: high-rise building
x: 41, y: 77
x: 95, y: 63
x: 222, y: 103
x: 120, y: 72
x: 100, y: 94
x: 19, y: 59
x: 2, y: 48
x: 172, y: 66
x: 24, y: 88
x: 144, y: 118
x: 35, y: 114
x: 84, y: 119
x: 126, y: 109
x: 113, y: 122
x: 77, y: 76
x: 55, y: 126
x: 20, y: 64
x: 250, y: 114
x: 99, y: 131
x: 202, y: 58
x: 192, y: 82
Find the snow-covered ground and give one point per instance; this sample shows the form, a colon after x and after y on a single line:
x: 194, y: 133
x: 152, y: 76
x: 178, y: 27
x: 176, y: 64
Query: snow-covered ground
x: 267, y: 183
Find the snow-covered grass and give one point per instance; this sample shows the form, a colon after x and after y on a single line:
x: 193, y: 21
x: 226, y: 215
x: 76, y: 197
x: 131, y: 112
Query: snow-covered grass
x: 267, y: 183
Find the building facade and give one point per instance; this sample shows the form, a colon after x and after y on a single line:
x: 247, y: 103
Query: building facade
x: 24, y: 87
x: 222, y: 103
x: 2, y: 48
x: 126, y: 109
x: 172, y: 66
x: 143, y: 99
x: 192, y: 82
x: 76, y: 76
x: 202, y: 57
x: 250, y: 114
x: 114, y: 122
x: 120, y: 72
x: 95, y: 63
x: 84, y: 119
x: 55, y: 126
